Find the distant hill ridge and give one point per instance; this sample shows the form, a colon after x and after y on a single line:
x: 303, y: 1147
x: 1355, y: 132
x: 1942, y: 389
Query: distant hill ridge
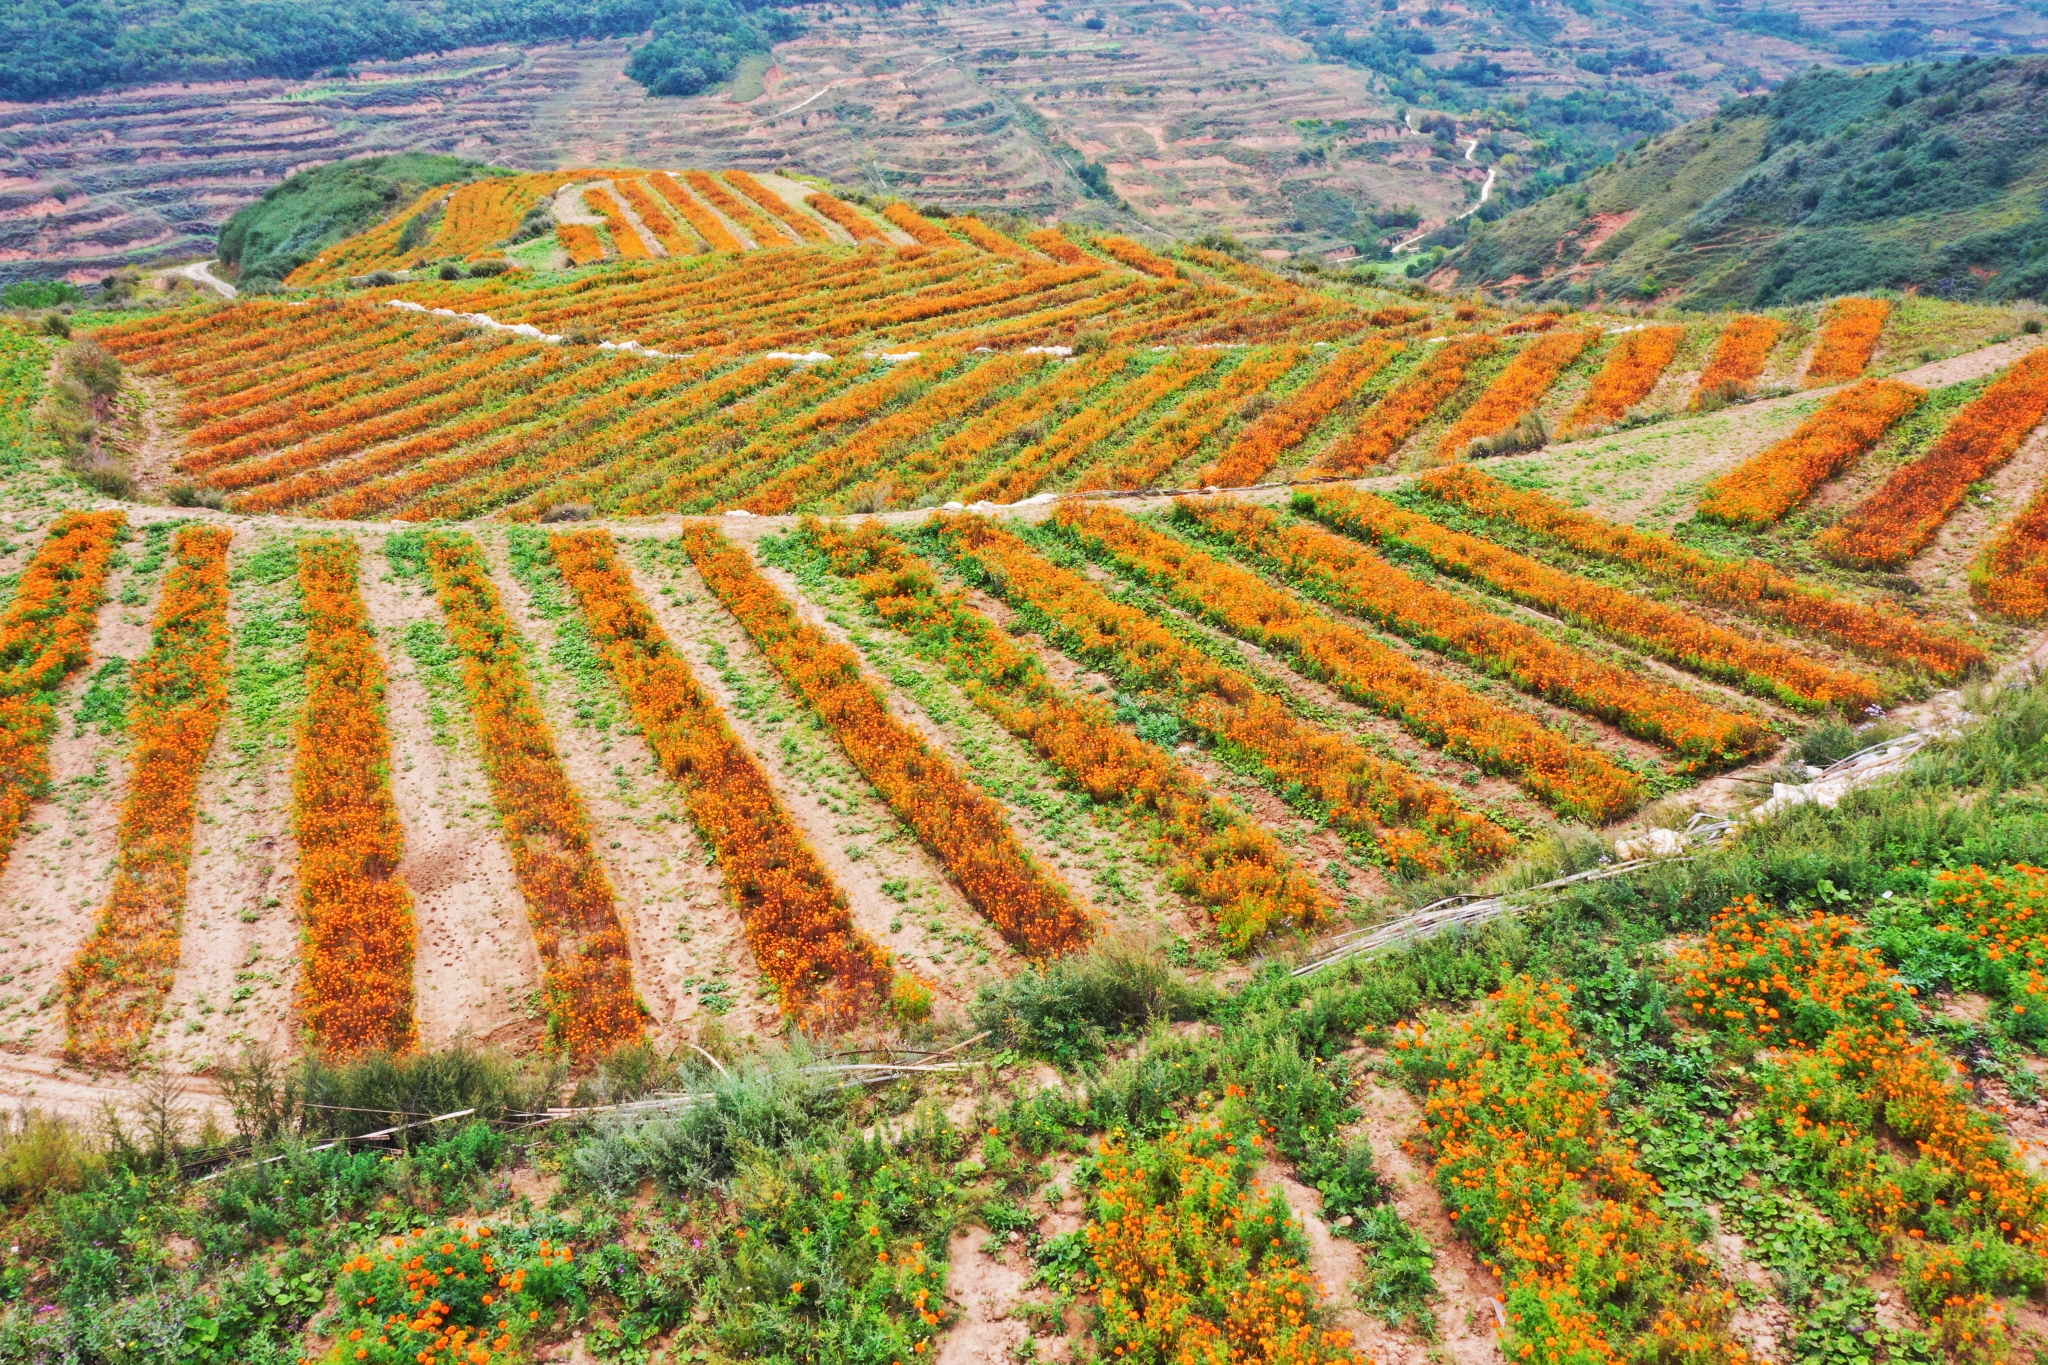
x: 1922, y: 176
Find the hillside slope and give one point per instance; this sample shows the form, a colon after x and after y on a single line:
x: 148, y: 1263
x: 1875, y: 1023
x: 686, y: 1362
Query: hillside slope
x: 1926, y: 176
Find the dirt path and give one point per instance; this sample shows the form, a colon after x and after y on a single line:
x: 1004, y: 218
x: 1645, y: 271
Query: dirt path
x: 476, y: 968
x: 1336, y: 1265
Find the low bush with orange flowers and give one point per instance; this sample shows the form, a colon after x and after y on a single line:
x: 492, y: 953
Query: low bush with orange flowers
x: 1415, y: 824
x: 1539, y: 1180
x: 959, y: 823
x: 803, y: 938
x: 1056, y: 245
x: 857, y: 224
x: 1998, y: 920
x: 46, y: 634
x: 625, y: 237
x: 1516, y: 392
x: 1405, y: 407
x: 582, y: 243
x: 1573, y: 778
x: 765, y: 231
x: 1259, y: 446
x: 1738, y: 358
x: 1666, y: 632
x: 805, y: 228
x: 2010, y: 575
x: 448, y: 1296
x: 1193, y: 1263
x: 1180, y: 433
x: 356, y: 988
x: 1632, y: 369
x: 706, y: 223
x: 1349, y: 576
x: 1849, y: 330
x: 1219, y: 857
x: 987, y: 238
x: 1763, y: 488
x: 1897, y: 521
x: 676, y: 241
x: 1748, y: 586
x: 922, y: 230
x: 1137, y: 256
x: 587, y: 965
x: 120, y: 977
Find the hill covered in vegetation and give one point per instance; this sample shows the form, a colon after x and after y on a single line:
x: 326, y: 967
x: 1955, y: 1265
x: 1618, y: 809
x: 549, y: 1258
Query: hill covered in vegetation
x: 1922, y: 176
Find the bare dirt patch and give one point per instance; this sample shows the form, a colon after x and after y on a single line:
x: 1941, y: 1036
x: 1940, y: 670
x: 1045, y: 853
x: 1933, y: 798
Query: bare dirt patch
x: 1336, y: 1264
x: 986, y: 1287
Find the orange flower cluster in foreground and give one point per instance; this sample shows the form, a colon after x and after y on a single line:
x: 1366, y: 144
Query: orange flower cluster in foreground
x: 118, y: 981
x: 1515, y: 394
x: 1353, y: 578
x: 1416, y: 824
x: 2003, y: 918
x: 1406, y: 406
x: 581, y: 241
x: 715, y: 233
x: 805, y: 229
x: 1138, y: 257
x: 1844, y: 1057
x: 1750, y: 586
x: 1574, y: 778
x: 1192, y: 1263
x: 921, y: 229
x: 1259, y: 446
x: 673, y: 239
x: 588, y: 966
x: 802, y: 935
x: 1666, y: 632
x: 1181, y: 432
x: 1231, y: 864
x: 623, y: 234
x: 1738, y: 356
x: 1538, y: 1180
x: 45, y: 633
x: 958, y: 822
x: 765, y: 232
x: 1848, y: 335
x: 1767, y: 485
x: 356, y: 992
x: 1897, y: 521
x: 1633, y: 368
x: 847, y: 216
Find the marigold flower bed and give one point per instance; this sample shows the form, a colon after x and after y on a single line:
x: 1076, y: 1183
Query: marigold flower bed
x: 1749, y: 586
x: 1633, y: 368
x: 847, y: 216
x: 798, y: 925
x: 1259, y: 447
x: 2002, y: 920
x: 1415, y: 823
x: 1897, y: 521
x: 921, y: 229
x: 1181, y: 432
x: 765, y: 231
x: 356, y: 991
x: 1221, y: 858
x: 117, y: 983
x: 1351, y: 577
x: 1738, y: 357
x: 1406, y: 406
x: 1515, y: 394
x: 673, y: 239
x: 987, y: 238
x: 45, y: 634
x: 588, y: 981
x: 1763, y: 488
x: 582, y: 243
x: 805, y: 229
x: 1848, y: 336
x: 706, y: 223
x: 624, y: 235
x: 1055, y: 244
x: 1539, y: 1181
x: 1649, y: 626
x: 1574, y: 778
x: 1137, y: 257
x: 966, y: 830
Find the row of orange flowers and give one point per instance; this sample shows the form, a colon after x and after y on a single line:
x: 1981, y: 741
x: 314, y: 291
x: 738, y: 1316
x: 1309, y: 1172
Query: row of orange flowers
x: 909, y: 478
x: 1137, y: 256
x: 1516, y: 392
x: 483, y: 213
x: 1849, y: 330
x: 676, y: 241
x: 45, y: 635
x: 582, y: 243
x: 2010, y: 576
x: 1416, y: 824
x: 1739, y: 356
x: 2002, y: 917
x: 588, y: 967
x: 1181, y: 432
x: 1219, y: 857
x: 847, y: 216
x: 1632, y: 369
x: 1349, y: 576
x: 765, y: 232
x: 1406, y: 406
x: 1770, y: 483
x: 987, y: 238
x: 1540, y: 1182
x: 117, y: 983
x: 1259, y: 446
x: 806, y: 230
x: 356, y: 990
x: 922, y: 230
x: 281, y: 360
x: 1652, y: 627
x: 625, y: 239
x: 967, y: 831
x: 702, y: 220
x: 1748, y: 586
x: 399, y: 359
x: 1574, y: 778
x: 825, y: 970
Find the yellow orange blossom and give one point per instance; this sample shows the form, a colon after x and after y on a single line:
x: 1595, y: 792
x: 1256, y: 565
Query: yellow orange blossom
x: 1056, y: 245
x: 1517, y: 391
x: 1763, y: 488
x: 1633, y: 368
x: 802, y: 935
x: 805, y: 228
x: 965, y: 829
x: 1181, y: 432
x: 921, y: 229
x: 1848, y: 334
x: 706, y: 223
x: 1138, y: 257
x: 847, y: 216
x: 1259, y: 446
x: 1405, y: 407
x: 356, y: 993
x: 624, y: 235
x: 986, y: 237
x: 117, y: 983
x: 914, y: 474
x: 676, y: 241
x: 582, y: 243
x: 2002, y: 919
x: 1749, y: 586
x: 1897, y: 521
x: 2010, y: 576
x: 765, y: 231
x: 1738, y: 356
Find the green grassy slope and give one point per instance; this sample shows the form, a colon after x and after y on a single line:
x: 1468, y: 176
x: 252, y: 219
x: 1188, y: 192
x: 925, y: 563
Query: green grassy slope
x: 1927, y: 176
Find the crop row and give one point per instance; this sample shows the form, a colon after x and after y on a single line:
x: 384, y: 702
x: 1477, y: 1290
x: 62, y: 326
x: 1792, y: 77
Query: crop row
x: 626, y: 240
x: 2010, y: 576
x: 1739, y: 356
x: 1516, y: 392
x: 706, y: 223
x: 674, y: 240
x: 806, y: 230
x: 1261, y: 445
x: 1181, y: 432
x: 1849, y: 330
x: 1632, y: 369
x: 1763, y: 488
x: 1406, y: 406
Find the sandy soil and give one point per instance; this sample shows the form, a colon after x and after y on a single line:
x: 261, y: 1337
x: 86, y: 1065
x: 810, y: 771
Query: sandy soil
x: 1766, y: 1326
x: 985, y: 1287
x: 153, y: 442
x: 1336, y: 1264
